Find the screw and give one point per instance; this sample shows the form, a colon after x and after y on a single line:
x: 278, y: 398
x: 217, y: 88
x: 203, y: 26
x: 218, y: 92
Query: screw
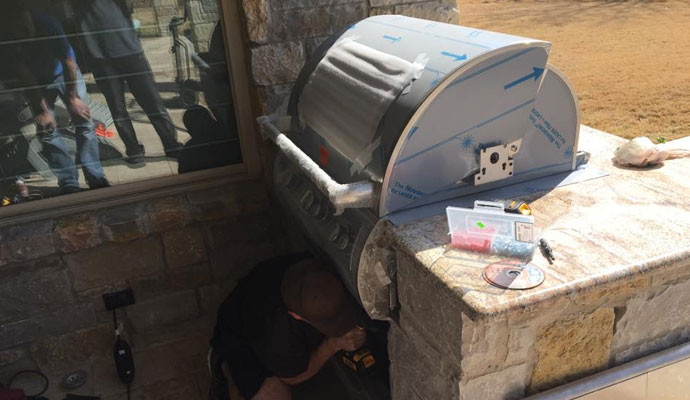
x: 514, y: 147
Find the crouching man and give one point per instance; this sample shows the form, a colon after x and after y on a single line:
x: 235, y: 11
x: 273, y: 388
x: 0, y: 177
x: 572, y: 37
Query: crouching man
x: 279, y: 327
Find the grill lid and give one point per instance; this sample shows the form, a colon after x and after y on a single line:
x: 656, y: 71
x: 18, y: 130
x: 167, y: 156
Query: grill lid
x: 486, y: 111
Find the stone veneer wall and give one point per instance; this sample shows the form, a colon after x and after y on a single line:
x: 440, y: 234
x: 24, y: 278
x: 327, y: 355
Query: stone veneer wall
x: 203, y: 16
x: 181, y: 254
x: 282, y: 34
x: 438, y: 351
x: 155, y: 15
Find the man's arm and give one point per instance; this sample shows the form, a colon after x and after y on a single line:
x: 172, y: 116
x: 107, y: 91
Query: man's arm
x: 32, y: 90
x: 351, y: 341
x: 326, y: 350
x: 74, y: 103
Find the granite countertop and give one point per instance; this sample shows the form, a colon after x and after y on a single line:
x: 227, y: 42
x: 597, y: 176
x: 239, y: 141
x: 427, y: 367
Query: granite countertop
x: 618, y: 232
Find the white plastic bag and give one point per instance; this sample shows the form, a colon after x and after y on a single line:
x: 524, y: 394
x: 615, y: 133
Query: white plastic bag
x: 641, y: 152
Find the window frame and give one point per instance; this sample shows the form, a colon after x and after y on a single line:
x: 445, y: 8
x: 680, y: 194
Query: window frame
x: 250, y: 168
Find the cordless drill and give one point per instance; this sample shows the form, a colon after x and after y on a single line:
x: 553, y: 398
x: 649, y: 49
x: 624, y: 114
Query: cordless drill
x: 361, y: 360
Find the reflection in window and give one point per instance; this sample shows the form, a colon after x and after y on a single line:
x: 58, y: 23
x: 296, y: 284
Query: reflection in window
x: 100, y: 92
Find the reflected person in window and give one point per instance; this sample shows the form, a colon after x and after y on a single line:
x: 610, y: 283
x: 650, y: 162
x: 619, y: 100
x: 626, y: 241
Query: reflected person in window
x: 210, y: 146
x: 40, y: 59
x: 116, y: 58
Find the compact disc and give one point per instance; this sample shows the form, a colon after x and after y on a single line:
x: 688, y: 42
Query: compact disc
x: 513, y: 274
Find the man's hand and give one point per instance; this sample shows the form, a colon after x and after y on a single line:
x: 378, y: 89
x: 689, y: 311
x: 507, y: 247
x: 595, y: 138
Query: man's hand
x: 352, y: 340
x: 45, y: 121
x: 78, y: 109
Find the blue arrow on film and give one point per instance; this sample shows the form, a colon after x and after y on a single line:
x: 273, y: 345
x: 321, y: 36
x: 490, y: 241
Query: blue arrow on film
x: 536, y: 74
x: 392, y: 38
x: 457, y: 57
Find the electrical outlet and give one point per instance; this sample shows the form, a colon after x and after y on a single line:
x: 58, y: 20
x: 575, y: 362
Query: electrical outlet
x: 119, y: 299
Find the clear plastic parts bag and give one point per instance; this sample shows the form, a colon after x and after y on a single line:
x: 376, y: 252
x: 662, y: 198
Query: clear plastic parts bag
x: 489, y: 229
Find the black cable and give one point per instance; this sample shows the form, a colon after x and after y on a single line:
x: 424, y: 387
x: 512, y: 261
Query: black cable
x: 115, y: 322
x: 29, y: 371
x: 117, y: 333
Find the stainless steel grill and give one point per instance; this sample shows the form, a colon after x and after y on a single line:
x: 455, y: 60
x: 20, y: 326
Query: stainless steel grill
x: 460, y: 111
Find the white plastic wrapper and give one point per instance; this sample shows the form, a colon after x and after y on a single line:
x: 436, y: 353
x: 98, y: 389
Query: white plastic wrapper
x: 351, y: 195
x: 641, y: 152
x: 349, y: 92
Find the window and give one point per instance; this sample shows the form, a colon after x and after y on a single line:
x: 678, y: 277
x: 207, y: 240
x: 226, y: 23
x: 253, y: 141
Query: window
x: 97, y: 93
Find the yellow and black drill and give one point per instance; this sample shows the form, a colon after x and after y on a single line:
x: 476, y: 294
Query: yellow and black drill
x: 361, y: 360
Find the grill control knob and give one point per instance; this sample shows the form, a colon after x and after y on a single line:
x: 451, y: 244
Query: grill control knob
x: 292, y: 181
x: 307, y: 200
x: 342, y: 242
x: 324, y: 214
x: 335, y: 233
x: 315, y: 209
x: 339, y: 237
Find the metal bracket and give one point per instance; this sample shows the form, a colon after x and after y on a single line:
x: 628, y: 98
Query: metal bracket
x: 496, y: 162
x: 394, y: 302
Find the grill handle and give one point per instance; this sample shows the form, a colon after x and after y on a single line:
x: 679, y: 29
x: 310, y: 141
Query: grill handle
x: 351, y: 195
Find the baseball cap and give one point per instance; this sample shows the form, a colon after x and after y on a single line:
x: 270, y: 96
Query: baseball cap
x: 318, y: 295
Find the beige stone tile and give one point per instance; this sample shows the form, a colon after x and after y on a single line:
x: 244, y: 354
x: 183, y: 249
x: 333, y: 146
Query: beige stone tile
x: 572, y: 348
x: 647, y: 316
x: 632, y: 389
x: 670, y: 383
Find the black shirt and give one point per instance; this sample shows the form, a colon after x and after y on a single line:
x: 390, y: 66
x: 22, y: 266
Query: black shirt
x: 107, y: 28
x: 256, y: 335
